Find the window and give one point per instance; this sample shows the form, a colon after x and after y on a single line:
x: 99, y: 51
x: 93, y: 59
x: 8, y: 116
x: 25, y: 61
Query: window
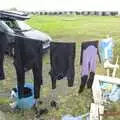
x: 17, y: 25
x: 23, y: 26
x: 12, y: 24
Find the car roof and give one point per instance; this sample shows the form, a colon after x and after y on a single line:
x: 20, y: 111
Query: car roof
x: 13, y: 15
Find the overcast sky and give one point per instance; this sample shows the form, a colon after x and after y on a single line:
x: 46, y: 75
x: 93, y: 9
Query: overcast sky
x: 33, y: 5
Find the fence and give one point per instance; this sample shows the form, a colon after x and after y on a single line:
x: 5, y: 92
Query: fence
x: 84, y: 13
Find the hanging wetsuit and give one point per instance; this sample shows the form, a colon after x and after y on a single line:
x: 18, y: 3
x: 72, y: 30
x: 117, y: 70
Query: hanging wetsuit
x: 3, y: 44
x: 89, y: 51
x: 28, y: 55
x: 62, y: 57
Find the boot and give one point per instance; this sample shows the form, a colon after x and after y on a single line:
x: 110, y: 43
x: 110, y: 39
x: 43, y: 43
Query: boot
x: 90, y: 80
x: 83, y: 82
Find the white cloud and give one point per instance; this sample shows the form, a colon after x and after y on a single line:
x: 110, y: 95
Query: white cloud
x: 61, y: 4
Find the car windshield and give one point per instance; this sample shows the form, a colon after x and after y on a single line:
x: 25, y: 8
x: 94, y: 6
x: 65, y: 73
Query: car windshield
x: 17, y: 25
x: 22, y: 25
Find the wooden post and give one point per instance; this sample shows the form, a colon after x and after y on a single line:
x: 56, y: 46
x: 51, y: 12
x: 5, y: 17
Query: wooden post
x: 96, y: 111
x: 108, y: 71
x: 115, y: 68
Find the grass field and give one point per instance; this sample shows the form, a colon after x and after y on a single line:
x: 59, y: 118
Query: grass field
x: 64, y: 28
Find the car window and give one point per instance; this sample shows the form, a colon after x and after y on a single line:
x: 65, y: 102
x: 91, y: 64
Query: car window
x: 12, y: 24
x: 22, y: 25
x: 17, y: 25
x: 1, y: 28
x: 4, y: 27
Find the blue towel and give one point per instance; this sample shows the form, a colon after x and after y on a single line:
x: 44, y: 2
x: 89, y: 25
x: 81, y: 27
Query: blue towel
x: 27, y: 102
x: 115, y: 94
x: 103, y: 44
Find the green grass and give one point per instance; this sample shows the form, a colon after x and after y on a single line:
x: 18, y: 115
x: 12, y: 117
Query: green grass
x: 65, y: 28
x: 78, y: 27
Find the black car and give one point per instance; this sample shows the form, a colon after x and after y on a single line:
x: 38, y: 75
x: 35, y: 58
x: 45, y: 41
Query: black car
x: 12, y: 23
